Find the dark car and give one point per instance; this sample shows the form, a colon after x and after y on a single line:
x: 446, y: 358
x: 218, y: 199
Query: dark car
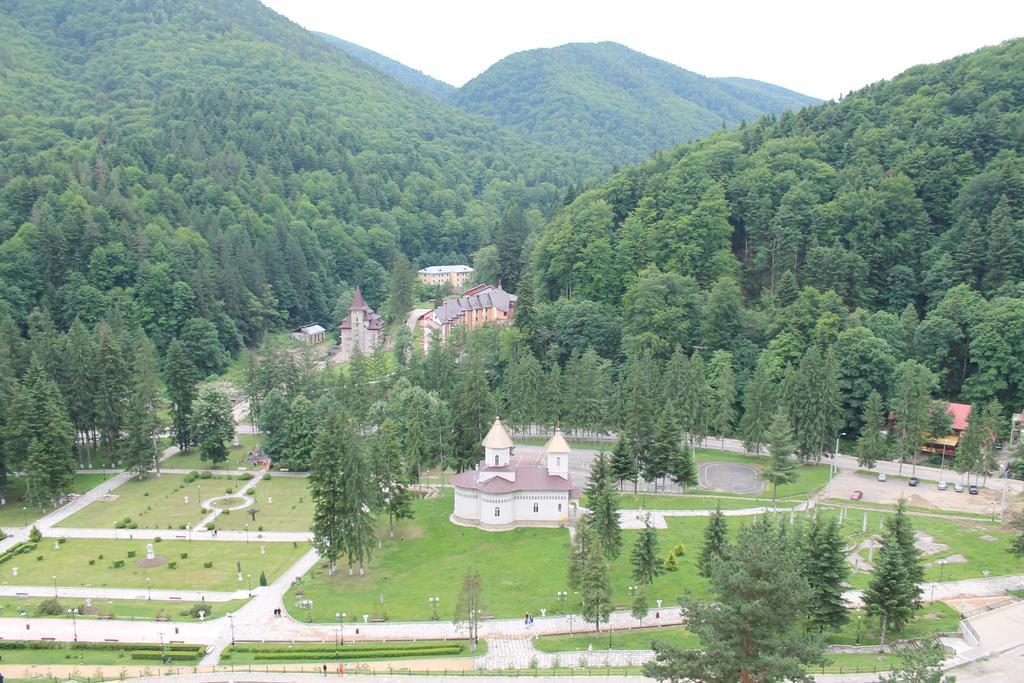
x: 998, y: 445
x: 972, y: 489
x: 914, y: 481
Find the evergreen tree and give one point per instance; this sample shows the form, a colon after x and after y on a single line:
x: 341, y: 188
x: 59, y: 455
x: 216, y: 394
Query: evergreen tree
x: 300, y: 426
x: 180, y: 377
x: 758, y: 407
x: 748, y: 628
x: 595, y: 583
x: 622, y: 463
x: 80, y: 357
x: 920, y: 663
x: 901, y: 528
x: 871, y: 443
x: 1005, y: 248
x: 327, y: 487
x: 912, y: 400
x: 553, y: 388
x: 212, y: 424
x: 641, y: 406
x: 682, y: 469
x: 113, y: 378
x: 724, y: 405
x: 664, y: 450
x: 826, y: 571
x: 639, y: 608
x: 603, y: 500
x: 888, y: 593
x: 389, y: 470
x: 401, y: 289
x: 39, y: 437
x: 142, y: 422
x: 645, y: 555
x: 474, y: 413
x: 696, y: 402
x: 781, y: 467
x: 715, y: 542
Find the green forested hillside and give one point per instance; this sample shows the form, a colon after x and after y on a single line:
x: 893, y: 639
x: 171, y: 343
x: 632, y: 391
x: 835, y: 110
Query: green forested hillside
x: 210, y: 164
x: 398, y: 71
x: 883, y: 227
x: 613, y: 103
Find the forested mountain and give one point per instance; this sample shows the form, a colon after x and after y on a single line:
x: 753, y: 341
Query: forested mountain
x: 877, y: 229
x: 212, y: 170
x: 613, y: 103
x: 400, y: 72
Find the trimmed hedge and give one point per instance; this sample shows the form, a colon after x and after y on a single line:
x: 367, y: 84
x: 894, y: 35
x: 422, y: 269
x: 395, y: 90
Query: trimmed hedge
x: 179, y: 649
x: 350, y: 647
x: 169, y: 655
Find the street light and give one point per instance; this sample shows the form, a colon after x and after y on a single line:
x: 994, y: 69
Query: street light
x: 860, y: 617
x: 247, y: 532
x: 562, y: 596
x: 832, y: 465
x: 231, y: 620
x: 250, y: 584
x: 942, y: 568
x: 337, y: 635
x: 433, y: 603
x: 74, y: 623
x: 55, y: 586
x: 149, y: 589
x: 24, y: 513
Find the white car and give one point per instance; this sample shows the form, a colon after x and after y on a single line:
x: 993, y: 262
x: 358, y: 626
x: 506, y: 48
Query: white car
x: 943, y: 486
x: 882, y: 477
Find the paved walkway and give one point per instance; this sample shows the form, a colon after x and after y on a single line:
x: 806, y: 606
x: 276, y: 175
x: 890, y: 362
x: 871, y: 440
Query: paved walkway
x: 125, y: 593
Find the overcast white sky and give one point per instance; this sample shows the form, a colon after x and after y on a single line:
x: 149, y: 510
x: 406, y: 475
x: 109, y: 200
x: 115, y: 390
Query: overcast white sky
x: 822, y: 48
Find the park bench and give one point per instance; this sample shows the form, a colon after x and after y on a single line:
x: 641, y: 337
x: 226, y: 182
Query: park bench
x: 105, y: 616
x: 378, y: 618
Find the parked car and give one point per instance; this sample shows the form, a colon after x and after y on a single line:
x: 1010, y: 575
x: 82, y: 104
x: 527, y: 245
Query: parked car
x: 998, y: 445
x: 882, y: 477
x: 943, y: 486
x: 972, y: 489
x: 914, y: 481
x: 857, y: 495
x: 958, y: 487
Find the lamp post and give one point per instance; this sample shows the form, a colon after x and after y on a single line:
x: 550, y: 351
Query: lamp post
x: 231, y: 620
x: 433, y: 603
x: 832, y: 465
x: 561, y: 597
x: 74, y: 624
x: 337, y: 635
x: 24, y: 513
x: 54, y: 585
x: 249, y: 576
x: 860, y: 618
x: 188, y: 530
x: 247, y: 532
x: 942, y: 568
x: 149, y: 589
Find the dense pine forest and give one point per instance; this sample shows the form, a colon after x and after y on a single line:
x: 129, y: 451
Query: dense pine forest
x: 182, y: 177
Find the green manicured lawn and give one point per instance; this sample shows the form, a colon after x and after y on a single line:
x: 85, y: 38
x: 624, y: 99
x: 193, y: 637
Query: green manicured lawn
x: 292, y: 509
x: 636, y: 639
x: 11, y: 513
x: 238, y: 457
x: 73, y: 654
x: 930, y: 619
x: 152, y: 503
x: 962, y: 536
x: 857, y: 663
x: 885, y: 507
x: 522, y: 570
x: 70, y: 564
x: 686, y: 501
x: 120, y: 609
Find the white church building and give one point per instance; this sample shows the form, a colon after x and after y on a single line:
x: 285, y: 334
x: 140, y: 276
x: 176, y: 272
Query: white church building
x: 496, y: 496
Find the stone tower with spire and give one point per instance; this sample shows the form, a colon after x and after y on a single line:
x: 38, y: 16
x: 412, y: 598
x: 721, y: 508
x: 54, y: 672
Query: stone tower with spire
x: 362, y: 329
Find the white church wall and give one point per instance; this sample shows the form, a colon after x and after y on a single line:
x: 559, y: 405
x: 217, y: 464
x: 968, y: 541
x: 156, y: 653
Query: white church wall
x: 496, y: 510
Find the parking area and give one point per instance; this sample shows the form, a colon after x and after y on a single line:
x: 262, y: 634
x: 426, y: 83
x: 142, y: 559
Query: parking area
x: 925, y: 495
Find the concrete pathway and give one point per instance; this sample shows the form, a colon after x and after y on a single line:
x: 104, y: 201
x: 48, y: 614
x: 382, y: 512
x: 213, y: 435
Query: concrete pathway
x: 126, y: 593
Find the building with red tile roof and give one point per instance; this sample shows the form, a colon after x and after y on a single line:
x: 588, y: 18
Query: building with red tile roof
x: 481, y: 305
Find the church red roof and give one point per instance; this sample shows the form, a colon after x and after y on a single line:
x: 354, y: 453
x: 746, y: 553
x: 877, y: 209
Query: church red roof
x: 527, y: 479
